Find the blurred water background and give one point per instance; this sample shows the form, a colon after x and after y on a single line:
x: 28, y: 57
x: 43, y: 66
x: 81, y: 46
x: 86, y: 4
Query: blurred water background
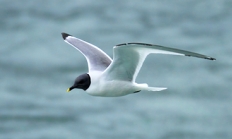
x: 37, y: 66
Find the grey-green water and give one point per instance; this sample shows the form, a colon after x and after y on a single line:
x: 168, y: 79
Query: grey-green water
x: 36, y: 68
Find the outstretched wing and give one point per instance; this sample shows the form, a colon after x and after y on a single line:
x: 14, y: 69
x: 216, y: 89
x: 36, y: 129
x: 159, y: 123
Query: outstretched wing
x: 96, y: 58
x: 129, y: 57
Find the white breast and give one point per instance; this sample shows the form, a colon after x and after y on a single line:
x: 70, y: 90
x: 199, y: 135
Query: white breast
x: 109, y: 88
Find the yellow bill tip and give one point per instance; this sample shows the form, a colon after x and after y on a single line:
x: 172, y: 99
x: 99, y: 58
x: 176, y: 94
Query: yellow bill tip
x: 68, y: 90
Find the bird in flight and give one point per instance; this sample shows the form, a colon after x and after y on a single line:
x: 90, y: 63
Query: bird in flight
x: 113, y: 78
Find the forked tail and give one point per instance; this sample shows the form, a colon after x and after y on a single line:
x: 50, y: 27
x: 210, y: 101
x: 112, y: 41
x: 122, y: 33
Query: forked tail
x: 147, y: 88
x: 155, y: 88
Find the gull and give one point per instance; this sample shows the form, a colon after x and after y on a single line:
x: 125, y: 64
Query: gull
x: 113, y: 78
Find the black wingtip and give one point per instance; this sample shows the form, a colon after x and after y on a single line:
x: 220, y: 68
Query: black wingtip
x: 211, y: 58
x: 65, y: 35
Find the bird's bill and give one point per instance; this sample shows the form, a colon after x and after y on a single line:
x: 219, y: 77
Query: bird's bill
x: 68, y: 90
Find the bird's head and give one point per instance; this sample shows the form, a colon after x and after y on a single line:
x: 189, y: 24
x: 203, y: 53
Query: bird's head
x: 82, y: 82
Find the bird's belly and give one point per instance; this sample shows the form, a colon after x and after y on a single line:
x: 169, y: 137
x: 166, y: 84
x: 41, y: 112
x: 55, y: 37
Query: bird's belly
x: 111, y: 88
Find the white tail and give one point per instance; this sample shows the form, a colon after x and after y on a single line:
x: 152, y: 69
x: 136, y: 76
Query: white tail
x: 144, y: 86
x: 155, y: 88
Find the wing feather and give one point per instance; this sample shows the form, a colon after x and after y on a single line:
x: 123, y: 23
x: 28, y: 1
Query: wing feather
x: 96, y: 58
x: 129, y: 57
